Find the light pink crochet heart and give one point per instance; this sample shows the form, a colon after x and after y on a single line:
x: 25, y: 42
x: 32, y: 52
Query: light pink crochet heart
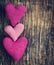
x: 15, y: 49
x: 15, y: 13
x: 15, y: 32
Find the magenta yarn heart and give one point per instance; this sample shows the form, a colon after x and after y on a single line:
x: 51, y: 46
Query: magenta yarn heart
x: 15, y: 49
x: 15, y: 32
x: 15, y: 13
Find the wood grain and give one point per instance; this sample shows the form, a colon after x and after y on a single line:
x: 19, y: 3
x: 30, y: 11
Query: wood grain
x: 39, y: 29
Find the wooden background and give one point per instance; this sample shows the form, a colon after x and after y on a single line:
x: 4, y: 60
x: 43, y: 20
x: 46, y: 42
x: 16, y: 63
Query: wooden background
x: 39, y: 29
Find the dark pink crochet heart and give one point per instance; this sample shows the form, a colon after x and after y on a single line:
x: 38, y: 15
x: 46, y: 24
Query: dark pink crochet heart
x: 15, y: 13
x: 15, y: 49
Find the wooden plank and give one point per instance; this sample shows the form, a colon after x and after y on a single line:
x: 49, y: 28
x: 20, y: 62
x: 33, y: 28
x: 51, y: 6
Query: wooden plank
x: 39, y: 30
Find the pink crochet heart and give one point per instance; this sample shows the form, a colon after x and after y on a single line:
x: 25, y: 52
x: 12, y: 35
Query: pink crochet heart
x: 15, y: 49
x: 15, y: 32
x: 15, y: 13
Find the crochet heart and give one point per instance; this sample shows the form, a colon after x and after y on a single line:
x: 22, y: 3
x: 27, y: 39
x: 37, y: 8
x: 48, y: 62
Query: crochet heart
x: 15, y: 49
x: 15, y: 13
x: 15, y: 32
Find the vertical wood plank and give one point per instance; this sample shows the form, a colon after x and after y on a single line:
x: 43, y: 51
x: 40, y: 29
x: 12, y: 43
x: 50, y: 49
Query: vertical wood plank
x: 39, y: 30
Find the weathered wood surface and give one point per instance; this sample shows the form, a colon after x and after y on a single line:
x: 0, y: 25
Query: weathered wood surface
x: 39, y: 29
